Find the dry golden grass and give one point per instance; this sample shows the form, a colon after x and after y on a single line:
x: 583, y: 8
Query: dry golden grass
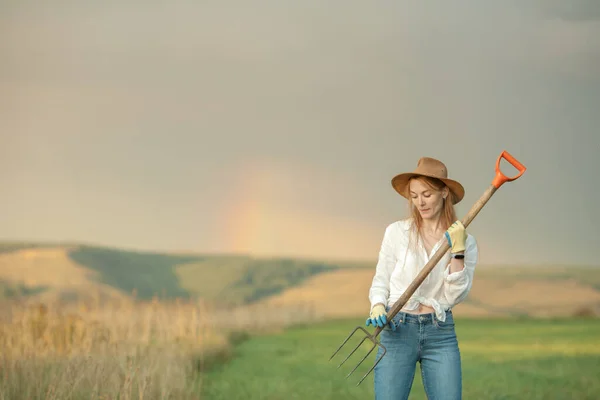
x: 143, y: 350
x: 121, y: 349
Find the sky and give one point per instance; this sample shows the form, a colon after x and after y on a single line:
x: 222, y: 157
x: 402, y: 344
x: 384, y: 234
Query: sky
x: 274, y: 128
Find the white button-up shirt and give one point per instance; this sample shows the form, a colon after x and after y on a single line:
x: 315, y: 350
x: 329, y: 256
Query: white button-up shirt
x: 399, y: 264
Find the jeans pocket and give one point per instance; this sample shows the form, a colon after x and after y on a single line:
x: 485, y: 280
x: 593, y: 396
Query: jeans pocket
x: 447, y: 325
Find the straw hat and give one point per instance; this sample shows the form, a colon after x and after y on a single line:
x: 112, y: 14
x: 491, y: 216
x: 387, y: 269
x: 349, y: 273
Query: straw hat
x: 432, y: 168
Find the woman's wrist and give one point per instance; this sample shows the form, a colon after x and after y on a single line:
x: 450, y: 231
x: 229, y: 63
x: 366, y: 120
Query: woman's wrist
x: 457, y: 262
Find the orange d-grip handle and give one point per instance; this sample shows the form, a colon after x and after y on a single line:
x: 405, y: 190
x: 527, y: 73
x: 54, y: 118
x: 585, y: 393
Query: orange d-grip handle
x: 500, y: 178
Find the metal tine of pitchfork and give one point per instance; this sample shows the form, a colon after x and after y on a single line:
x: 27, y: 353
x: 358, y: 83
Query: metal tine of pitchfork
x: 373, y: 338
x: 498, y: 180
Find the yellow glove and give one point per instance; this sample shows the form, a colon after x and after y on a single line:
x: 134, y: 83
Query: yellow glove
x: 378, y: 316
x: 456, y: 236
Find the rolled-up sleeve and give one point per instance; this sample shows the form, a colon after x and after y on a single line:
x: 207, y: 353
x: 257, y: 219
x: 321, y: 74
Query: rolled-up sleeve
x: 380, y: 287
x: 458, y: 284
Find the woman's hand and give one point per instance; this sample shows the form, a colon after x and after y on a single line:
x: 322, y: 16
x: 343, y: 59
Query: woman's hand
x: 377, y: 316
x: 456, y: 236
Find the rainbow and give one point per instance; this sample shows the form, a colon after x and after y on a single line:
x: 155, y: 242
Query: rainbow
x: 249, y: 216
x: 262, y: 220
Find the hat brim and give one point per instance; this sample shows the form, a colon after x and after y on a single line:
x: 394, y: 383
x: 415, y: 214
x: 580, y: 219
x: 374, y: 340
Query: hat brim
x: 400, y: 184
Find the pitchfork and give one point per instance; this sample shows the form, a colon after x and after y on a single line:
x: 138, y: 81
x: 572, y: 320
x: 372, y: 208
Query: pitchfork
x: 498, y: 180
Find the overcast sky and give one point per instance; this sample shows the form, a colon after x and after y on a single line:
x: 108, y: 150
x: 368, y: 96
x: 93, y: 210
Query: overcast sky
x: 275, y: 127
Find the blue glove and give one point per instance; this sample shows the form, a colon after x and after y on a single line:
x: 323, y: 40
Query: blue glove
x: 377, y: 316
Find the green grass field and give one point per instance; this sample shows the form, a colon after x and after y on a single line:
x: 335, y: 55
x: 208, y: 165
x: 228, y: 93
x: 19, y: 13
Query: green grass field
x: 502, y: 359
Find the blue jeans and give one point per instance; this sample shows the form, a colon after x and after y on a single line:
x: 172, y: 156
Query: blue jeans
x: 424, y: 339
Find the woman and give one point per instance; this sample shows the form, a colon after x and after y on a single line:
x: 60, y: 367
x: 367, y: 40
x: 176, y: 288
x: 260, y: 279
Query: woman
x: 423, y: 331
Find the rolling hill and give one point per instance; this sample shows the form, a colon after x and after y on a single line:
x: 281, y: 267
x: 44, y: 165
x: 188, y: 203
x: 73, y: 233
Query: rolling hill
x: 66, y: 272
x: 71, y: 271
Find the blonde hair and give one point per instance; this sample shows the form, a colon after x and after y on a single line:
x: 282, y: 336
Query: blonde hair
x: 448, y: 215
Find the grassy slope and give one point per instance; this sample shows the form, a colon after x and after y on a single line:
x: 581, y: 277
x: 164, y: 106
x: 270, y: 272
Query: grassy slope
x: 585, y: 275
x: 238, y: 280
x: 263, y: 278
x: 230, y: 279
x: 543, y: 289
x: 146, y: 274
x: 502, y: 359
x: 210, y: 277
